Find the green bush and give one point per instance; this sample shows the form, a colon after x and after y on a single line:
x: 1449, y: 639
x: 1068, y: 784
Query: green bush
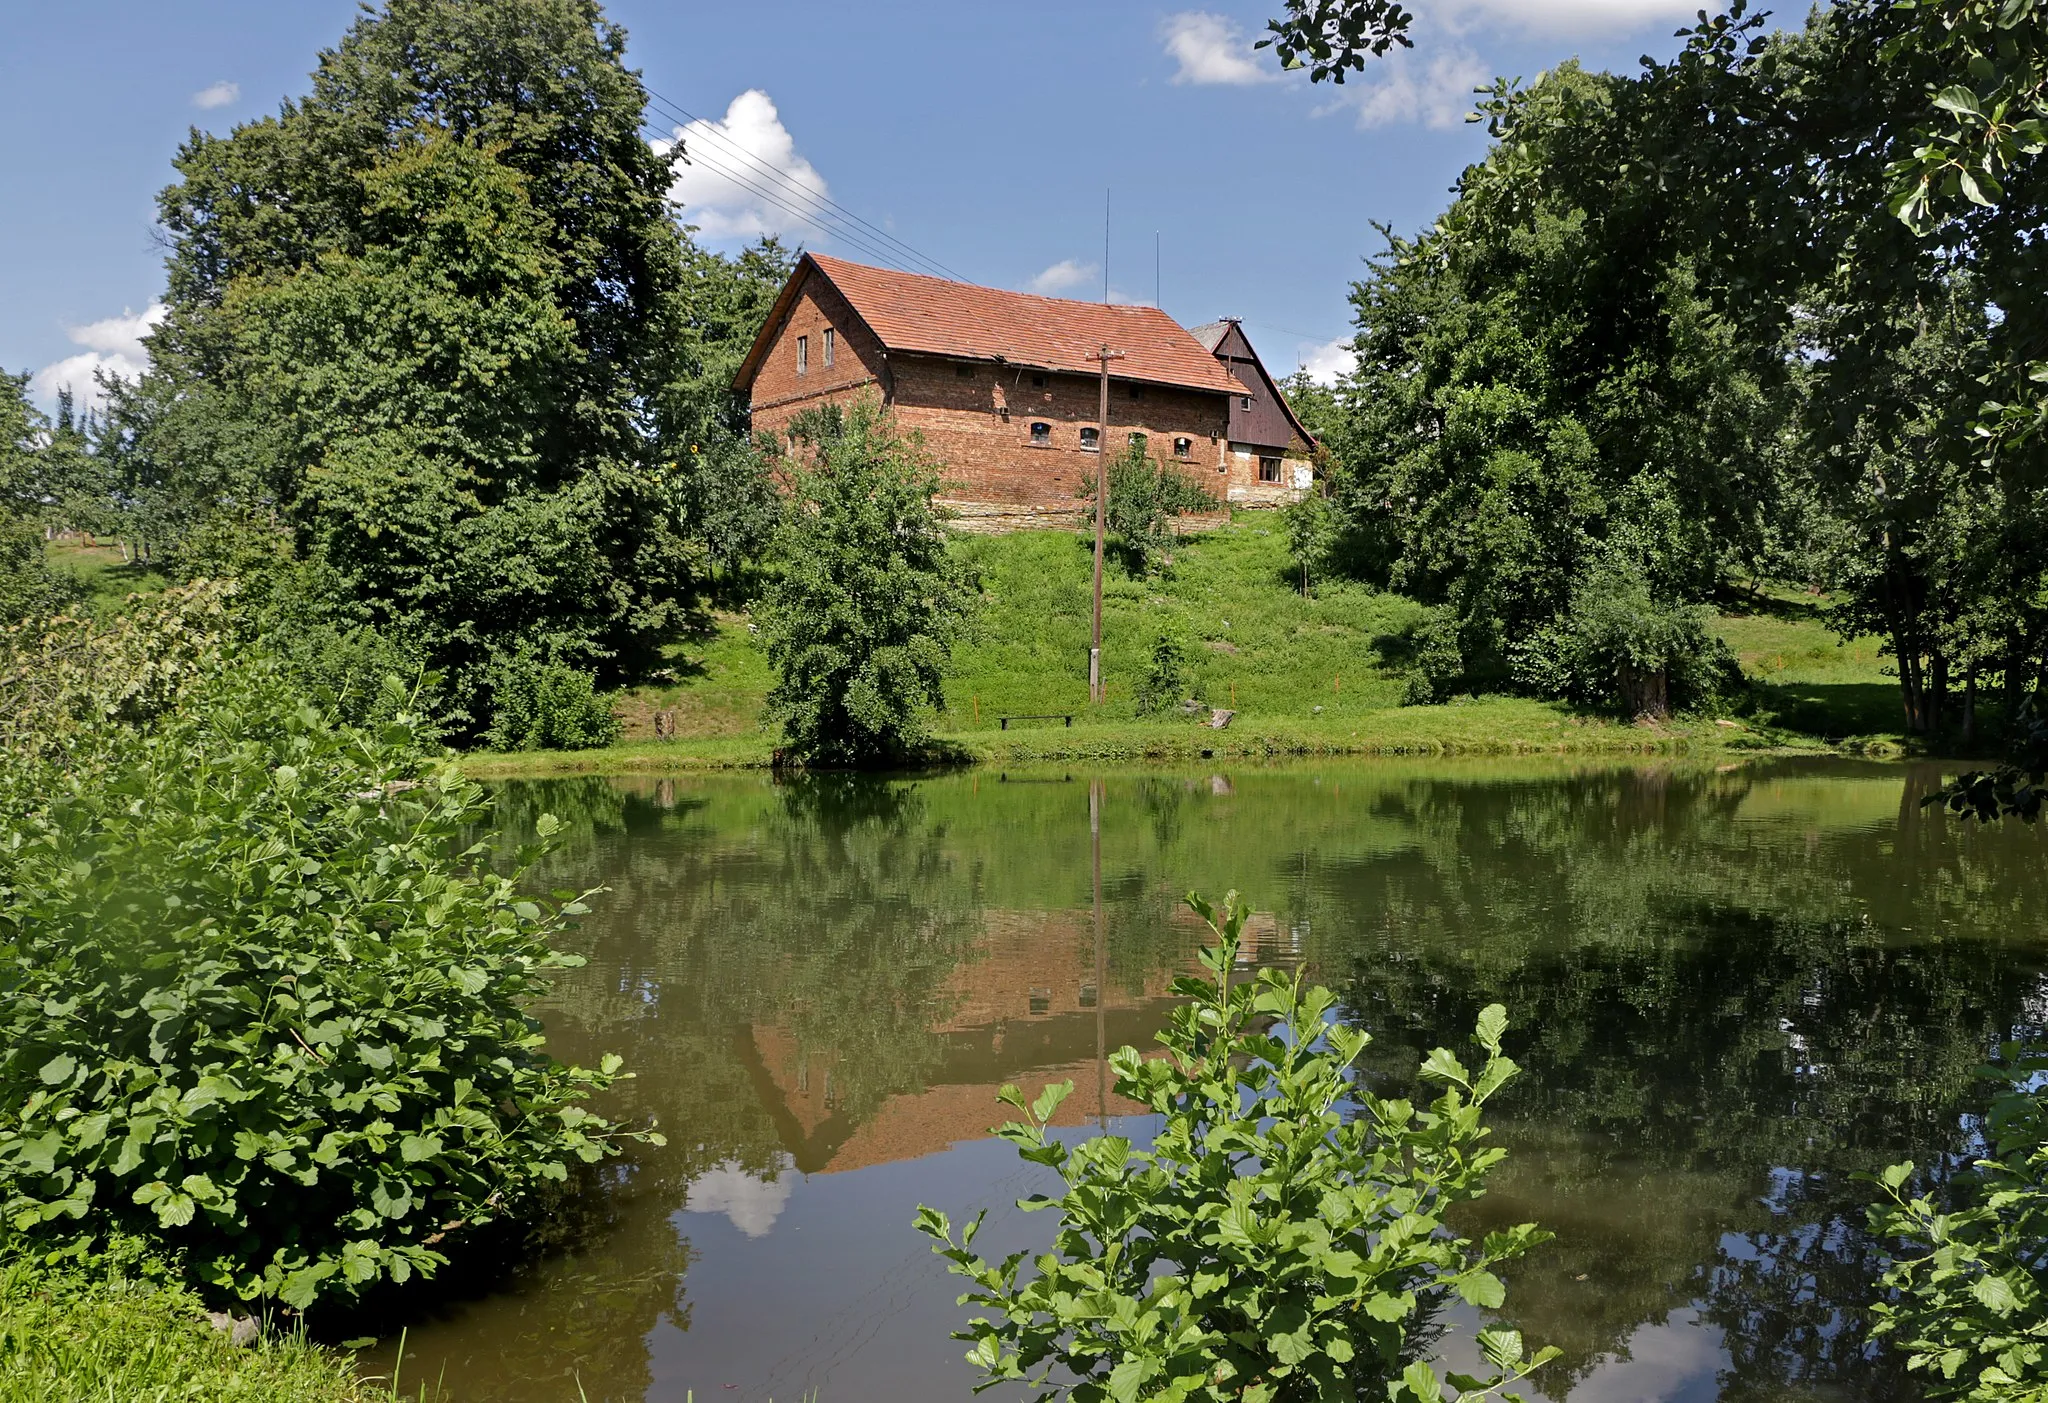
x: 1165, y: 684
x: 1618, y: 648
x: 1966, y: 1300
x: 28, y: 587
x: 1283, y: 1238
x: 1438, y: 661
x: 539, y: 705
x: 263, y: 998
x: 1144, y: 495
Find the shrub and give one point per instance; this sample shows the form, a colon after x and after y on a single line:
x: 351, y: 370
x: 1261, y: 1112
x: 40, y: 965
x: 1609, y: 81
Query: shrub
x: 540, y: 705
x: 1966, y: 1301
x: 1165, y: 684
x: 867, y: 598
x: 262, y: 998
x: 1282, y: 1239
x: 1618, y: 648
x: 1144, y: 494
x: 1438, y: 659
x: 28, y: 587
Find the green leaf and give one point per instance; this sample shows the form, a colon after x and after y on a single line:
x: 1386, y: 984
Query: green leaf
x: 59, y: 1068
x: 1483, y: 1289
x: 1958, y: 99
x: 1492, y: 1026
x: 1421, y: 1382
x: 1995, y: 1294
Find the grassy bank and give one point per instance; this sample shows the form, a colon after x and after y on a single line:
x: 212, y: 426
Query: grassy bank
x: 77, y: 1336
x: 1315, y: 674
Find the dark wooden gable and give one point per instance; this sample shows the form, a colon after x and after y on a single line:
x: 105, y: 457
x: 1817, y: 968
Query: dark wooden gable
x: 1267, y: 421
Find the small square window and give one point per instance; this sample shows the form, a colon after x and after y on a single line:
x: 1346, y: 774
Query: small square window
x: 1138, y: 441
x: 965, y: 372
x: 803, y: 355
x: 1183, y: 448
x: 830, y: 339
x: 1269, y: 470
x: 1137, y: 391
x: 1091, y: 440
x: 1244, y: 401
x: 1038, y: 382
x: 1041, y: 435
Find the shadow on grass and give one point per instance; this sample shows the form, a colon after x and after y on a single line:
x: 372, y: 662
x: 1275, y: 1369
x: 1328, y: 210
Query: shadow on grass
x: 1737, y: 601
x: 1831, y: 710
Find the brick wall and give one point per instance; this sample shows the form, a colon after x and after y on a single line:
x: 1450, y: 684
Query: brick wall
x: 858, y: 362
x: 979, y: 426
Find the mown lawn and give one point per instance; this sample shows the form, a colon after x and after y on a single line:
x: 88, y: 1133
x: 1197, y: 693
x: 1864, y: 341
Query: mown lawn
x: 1319, y: 674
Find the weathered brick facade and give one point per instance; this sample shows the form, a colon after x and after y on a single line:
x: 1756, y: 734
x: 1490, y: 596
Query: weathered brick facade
x: 1002, y: 400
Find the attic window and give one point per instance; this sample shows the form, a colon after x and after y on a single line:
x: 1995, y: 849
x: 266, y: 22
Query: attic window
x: 1183, y: 448
x: 1137, y: 391
x: 965, y: 372
x: 1038, y: 382
x: 1091, y: 440
x: 1244, y: 402
x: 830, y: 341
x: 803, y: 355
x: 1041, y: 435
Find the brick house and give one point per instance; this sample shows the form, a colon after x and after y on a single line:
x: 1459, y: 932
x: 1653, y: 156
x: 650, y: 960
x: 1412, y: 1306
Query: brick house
x: 1004, y: 389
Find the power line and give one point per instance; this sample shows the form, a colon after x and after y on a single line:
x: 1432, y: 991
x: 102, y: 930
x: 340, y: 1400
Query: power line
x: 814, y: 222
x: 873, y: 232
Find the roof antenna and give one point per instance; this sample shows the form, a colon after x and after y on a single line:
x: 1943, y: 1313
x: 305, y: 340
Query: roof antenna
x: 1155, y: 271
x: 1105, y: 245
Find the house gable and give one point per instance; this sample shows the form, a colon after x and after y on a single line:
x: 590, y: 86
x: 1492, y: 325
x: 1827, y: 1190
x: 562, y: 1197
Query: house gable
x: 1269, y: 421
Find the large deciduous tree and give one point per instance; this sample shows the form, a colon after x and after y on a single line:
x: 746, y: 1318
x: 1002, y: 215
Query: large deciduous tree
x: 432, y: 324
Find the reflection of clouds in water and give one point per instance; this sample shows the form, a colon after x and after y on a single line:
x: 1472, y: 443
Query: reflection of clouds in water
x: 752, y: 1204
x: 1679, y: 1361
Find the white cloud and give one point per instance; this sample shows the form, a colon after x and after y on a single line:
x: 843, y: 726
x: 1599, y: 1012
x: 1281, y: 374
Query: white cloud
x: 713, y: 188
x: 1211, y: 49
x: 1326, y: 361
x: 751, y: 1204
x: 114, y: 345
x: 1433, y: 89
x: 1589, y: 18
x: 1065, y: 274
x: 218, y: 95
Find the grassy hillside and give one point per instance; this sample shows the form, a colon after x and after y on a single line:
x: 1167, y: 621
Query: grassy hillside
x: 1311, y: 675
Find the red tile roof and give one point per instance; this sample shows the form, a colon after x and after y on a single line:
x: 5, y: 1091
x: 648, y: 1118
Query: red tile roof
x: 933, y: 316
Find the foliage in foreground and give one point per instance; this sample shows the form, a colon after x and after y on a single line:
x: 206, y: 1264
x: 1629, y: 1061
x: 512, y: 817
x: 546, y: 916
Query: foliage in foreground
x: 1282, y: 1239
x: 867, y: 598
x: 262, y: 1000
x: 125, y: 1329
x: 1965, y: 1300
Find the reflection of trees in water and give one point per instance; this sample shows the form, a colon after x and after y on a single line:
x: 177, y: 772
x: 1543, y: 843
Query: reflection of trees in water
x: 1718, y: 1027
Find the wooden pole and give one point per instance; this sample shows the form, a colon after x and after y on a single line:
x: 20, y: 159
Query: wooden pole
x: 1096, y: 691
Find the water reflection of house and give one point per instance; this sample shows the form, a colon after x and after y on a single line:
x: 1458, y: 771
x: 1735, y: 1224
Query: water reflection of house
x: 1030, y: 1005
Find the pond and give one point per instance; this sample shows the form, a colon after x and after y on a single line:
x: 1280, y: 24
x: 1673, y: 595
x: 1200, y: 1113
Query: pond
x: 1731, y: 988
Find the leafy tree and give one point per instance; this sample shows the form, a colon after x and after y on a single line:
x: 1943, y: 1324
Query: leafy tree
x: 1329, y: 37
x: 1144, y: 495
x: 1283, y: 1237
x: 434, y: 317
x: 27, y: 586
x: 866, y: 599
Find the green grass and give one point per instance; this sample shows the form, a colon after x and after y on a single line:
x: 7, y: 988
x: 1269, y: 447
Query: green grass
x: 1306, y: 676
x: 73, y: 1336
x: 107, y: 577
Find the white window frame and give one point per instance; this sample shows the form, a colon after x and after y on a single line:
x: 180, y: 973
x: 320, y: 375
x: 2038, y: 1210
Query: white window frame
x: 831, y: 340
x: 803, y: 355
x: 1091, y: 440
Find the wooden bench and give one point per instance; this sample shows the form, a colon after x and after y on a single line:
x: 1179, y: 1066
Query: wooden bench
x: 1003, y: 722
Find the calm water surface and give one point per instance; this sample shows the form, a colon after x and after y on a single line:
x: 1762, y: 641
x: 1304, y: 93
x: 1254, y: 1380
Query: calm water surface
x: 1730, y: 989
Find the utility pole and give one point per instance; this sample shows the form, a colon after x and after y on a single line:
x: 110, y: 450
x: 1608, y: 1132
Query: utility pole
x: 1105, y: 356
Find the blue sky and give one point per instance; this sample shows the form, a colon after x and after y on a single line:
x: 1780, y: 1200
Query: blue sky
x: 983, y: 136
